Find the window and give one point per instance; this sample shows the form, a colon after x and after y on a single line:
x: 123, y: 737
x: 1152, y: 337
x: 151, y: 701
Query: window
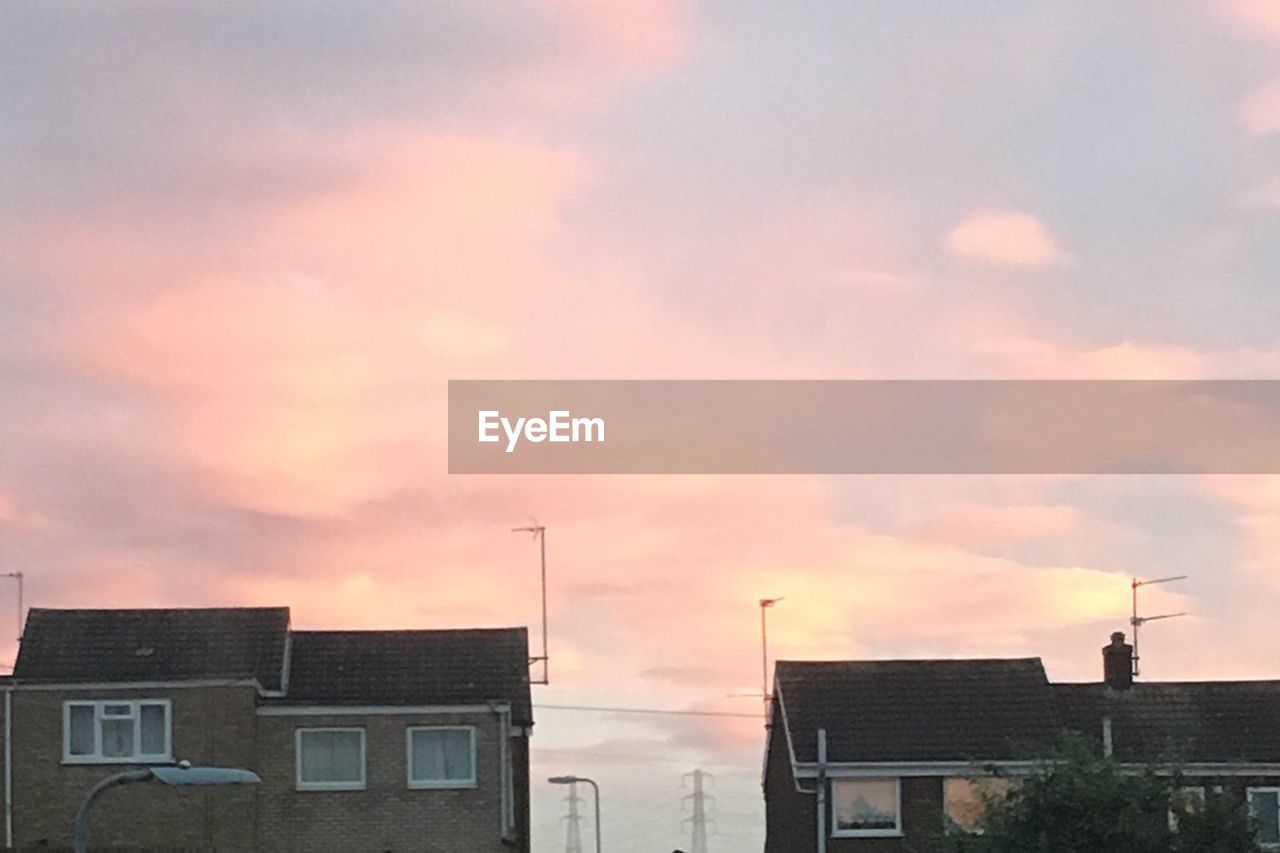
x: 1264, y: 808
x: 966, y: 799
x: 330, y: 759
x: 442, y: 757
x: 866, y: 807
x: 1185, y: 801
x: 117, y: 732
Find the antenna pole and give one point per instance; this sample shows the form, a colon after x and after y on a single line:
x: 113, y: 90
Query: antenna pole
x: 1138, y: 621
x: 542, y: 558
x: 539, y: 532
x: 1135, y: 623
x: 18, y: 576
x: 765, y: 604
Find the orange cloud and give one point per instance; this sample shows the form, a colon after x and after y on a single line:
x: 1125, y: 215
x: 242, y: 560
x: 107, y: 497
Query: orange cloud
x: 1006, y: 238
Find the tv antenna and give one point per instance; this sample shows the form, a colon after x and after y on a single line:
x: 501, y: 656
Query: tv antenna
x: 1138, y: 621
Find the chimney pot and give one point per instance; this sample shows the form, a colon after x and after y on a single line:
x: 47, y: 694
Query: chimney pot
x: 1117, y: 663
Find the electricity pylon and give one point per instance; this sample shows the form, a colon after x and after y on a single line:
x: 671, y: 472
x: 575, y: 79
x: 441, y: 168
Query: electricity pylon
x: 698, y: 820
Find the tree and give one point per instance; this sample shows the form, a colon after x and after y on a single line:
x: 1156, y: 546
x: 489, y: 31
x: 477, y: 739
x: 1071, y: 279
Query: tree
x: 1083, y: 803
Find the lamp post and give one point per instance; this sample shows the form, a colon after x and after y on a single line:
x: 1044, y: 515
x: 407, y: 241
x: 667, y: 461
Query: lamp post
x: 182, y: 774
x: 569, y: 780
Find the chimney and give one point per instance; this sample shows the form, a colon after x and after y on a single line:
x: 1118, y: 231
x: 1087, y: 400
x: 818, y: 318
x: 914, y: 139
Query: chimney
x: 1117, y: 663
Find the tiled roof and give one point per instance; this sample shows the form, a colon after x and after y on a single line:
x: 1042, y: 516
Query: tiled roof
x: 412, y: 668
x: 1208, y: 721
x: 154, y: 645
x: 918, y: 710
x: 988, y: 710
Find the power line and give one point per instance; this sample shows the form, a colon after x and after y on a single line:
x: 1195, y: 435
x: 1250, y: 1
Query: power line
x: 655, y: 711
x: 587, y: 753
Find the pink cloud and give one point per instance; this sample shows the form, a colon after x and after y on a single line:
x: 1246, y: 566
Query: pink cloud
x: 1256, y: 18
x: 1263, y: 197
x: 1021, y: 355
x: 1260, y: 112
x: 1007, y: 238
x: 651, y: 33
x: 976, y: 525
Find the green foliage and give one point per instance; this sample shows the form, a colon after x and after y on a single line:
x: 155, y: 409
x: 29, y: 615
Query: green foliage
x: 1083, y: 803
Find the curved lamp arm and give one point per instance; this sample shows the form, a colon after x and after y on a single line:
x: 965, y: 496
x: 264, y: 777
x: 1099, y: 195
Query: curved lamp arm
x: 127, y: 777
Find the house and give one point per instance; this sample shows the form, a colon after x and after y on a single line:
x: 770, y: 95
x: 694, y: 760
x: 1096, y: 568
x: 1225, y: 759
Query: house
x: 366, y: 741
x: 882, y: 756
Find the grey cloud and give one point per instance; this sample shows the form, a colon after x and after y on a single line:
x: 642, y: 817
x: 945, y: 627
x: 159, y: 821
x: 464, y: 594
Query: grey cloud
x: 146, y: 100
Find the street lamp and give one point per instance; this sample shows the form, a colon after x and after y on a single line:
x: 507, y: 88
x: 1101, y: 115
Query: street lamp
x: 570, y: 780
x: 182, y: 774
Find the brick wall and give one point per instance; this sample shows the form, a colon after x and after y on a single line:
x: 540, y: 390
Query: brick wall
x: 211, y: 725
x: 388, y: 816
x: 222, y: 726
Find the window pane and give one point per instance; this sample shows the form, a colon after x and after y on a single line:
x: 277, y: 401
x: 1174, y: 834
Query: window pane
x: 865, y: 804
x: 967, y: 799
x: 80, y: 730
x: 441, y: 755
x: 1265, y: 808
x: 331, y: 757
x: 115, y: 710
x: 153, y: 730
x: 117, y: 738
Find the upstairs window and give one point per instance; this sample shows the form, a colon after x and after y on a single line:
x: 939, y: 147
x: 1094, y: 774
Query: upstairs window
x: 966, y: 800
x: 118, y: 731
x: 442, y: 757
x: 866, y: 807
x: 1264, y: 808
x: 330, y: 759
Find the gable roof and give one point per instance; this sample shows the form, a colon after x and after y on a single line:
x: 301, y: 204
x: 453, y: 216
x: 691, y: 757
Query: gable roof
x: 1197, y: 721
x: 917, y: 710
x: 994, y: 710
x: 82, y: 646
x: 447, y: 667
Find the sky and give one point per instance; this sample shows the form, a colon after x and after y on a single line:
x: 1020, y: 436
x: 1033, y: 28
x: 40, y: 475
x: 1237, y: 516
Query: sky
x: 244, y: 245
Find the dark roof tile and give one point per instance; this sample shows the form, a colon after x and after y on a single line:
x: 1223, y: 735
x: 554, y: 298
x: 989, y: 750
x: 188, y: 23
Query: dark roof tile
x: 154, y: 645
x: 446, y: 667
x: 1195, y: 721
x: 918, y: 710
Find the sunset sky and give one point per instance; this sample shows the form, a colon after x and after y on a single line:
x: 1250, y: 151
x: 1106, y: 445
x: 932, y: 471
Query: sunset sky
x: 243, y: 246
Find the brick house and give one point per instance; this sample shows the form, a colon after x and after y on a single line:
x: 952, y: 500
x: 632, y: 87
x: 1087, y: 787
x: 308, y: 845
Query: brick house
x: 881, y: 756
x: 366, y: 741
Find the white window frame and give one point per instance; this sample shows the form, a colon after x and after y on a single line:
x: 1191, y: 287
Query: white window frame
x: 361, y: 785
x: 135, y: 714
x: 896, y: 832
x: 1248, y: 796
x: 442, y: 784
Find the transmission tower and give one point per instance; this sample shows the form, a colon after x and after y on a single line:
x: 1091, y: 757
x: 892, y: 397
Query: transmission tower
x: 573, y: 821
x: 698, y: 820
